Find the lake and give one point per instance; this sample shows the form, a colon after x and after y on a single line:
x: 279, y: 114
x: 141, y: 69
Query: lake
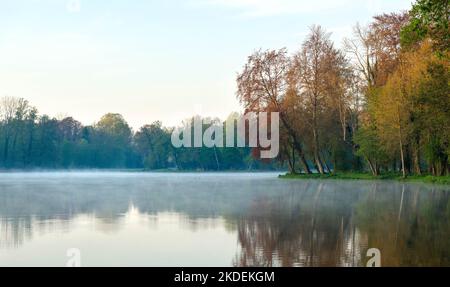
x: 218, y: 219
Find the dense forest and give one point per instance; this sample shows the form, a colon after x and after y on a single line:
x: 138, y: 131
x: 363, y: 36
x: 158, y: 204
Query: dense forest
x: 31, y: 141
x: 379, y: 104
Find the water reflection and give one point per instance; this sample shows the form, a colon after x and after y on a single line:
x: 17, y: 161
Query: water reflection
x: 275, y: 223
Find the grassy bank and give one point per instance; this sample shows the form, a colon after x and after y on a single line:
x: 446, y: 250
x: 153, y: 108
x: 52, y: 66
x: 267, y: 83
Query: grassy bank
x: 365, y: 176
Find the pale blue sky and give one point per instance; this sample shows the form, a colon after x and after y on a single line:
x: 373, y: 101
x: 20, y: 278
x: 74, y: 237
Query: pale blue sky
x: 153, y: 60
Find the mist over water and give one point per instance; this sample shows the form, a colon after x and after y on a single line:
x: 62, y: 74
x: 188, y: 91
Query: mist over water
x: 218, y: 219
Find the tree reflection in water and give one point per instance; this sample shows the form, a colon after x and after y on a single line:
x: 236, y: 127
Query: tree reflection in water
x: 276, y: 222
x: 410, y: 224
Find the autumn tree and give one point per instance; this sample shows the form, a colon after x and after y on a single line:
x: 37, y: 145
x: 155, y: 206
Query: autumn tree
x: 392, y: 116
x: 398, y: 109
x: 320, y: 84
x: 431, y: 114
x: 262, y: 86
x: 374, y: 51
x: 374, y: 48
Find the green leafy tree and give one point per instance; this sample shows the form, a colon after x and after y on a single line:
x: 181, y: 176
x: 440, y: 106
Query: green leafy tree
x: 433, y: 116
x: 112, y: 139
x: 153, y: 145
x: 370, y: 148
x: 429, y: 18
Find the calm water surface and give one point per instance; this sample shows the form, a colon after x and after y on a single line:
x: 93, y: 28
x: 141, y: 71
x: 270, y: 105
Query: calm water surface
x: 139, y: 219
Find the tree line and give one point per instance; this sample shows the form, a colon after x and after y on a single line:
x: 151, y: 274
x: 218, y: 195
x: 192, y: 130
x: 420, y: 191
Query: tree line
x: 380, y: 104
x: 29, y: 140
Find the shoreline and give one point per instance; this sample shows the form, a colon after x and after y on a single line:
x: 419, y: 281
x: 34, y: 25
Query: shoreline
x: 443, y: 180
x: 6, y: 171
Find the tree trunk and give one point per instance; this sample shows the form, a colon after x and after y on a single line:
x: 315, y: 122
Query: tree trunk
x: 444, y: 167
x: 327, y: 166
x: 5, y: 150
x: 316, y: 153
x: 176, y: 159
x: 416, y: 161
x: 303, y: 162
x: 296, y: 143
x: 432, y: 169
x: 372, y: 167
x: 343, y: 117
x: 29, y: 149
x: 13, y: 148
x: 291, y: 167
x: 217, y: 158
x: 292, y: 161
x: 316, y: 141
x: 402, y: 156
